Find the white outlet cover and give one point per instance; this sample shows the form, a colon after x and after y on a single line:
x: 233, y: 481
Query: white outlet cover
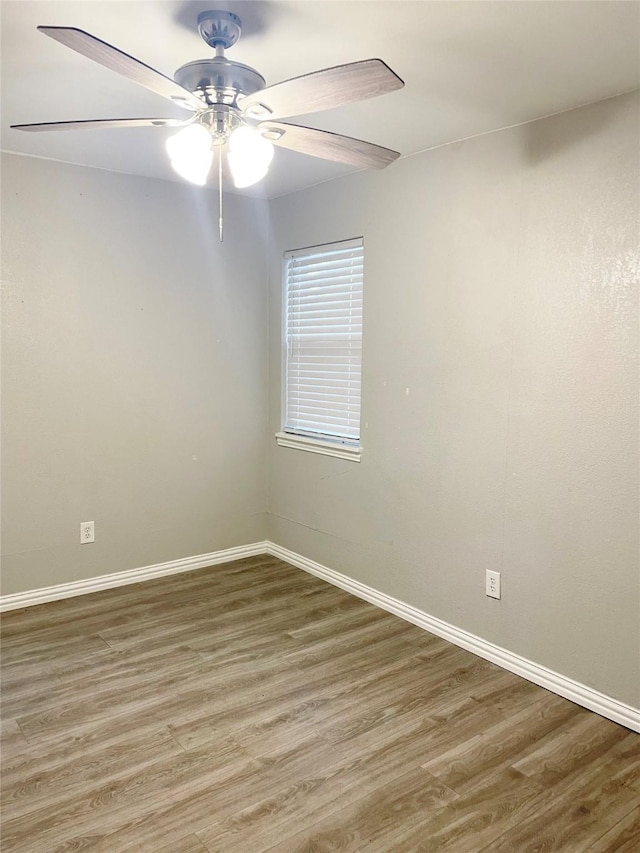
x: 87, y: 532
x: 492, y: 587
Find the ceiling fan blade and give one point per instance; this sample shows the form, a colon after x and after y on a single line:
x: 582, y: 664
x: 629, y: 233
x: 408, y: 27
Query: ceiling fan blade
x: 323, y: 90
x: 101, y: 124
x: 329, y: 146
x: 116, y: 60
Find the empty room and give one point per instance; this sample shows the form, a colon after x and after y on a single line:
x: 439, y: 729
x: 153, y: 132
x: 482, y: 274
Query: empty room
x: 320, y: 426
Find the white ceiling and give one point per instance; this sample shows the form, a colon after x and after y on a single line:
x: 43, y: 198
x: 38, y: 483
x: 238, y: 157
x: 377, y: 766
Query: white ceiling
x: 469, y: 67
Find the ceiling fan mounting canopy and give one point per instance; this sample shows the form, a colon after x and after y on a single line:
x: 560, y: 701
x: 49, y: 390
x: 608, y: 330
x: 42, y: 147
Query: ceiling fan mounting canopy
x: 219, y: 29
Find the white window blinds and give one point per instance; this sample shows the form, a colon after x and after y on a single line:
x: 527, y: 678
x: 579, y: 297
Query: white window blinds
x: 323, y: 326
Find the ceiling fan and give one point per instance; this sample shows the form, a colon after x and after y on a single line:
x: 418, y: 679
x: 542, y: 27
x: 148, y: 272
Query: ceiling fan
x: 232, y: 107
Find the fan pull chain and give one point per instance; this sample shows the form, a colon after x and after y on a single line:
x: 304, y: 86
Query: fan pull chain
x: 220, y: 228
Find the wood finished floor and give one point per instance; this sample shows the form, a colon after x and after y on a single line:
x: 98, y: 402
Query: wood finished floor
x: 252, y: 707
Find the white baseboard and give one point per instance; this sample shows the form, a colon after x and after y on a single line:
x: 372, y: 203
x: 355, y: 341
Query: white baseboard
x: 173, y: 567
x: 576, y: 692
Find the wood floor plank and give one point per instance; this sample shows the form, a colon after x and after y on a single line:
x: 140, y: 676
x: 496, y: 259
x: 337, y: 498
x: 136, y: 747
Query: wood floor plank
x: 627, y: 753
x: 71, y: 775
x: 333, y: 624
x: 50, y: 647
x: 253, y: 707
x: 309, y: 783
x: 287, y: 722
x: 270, y: 613
x: 109, y: 674
x: 163, y: 821
x: 470, y: 823
x: 623, y: 837
x: 190, y: 844
x: 504, y: 693
x: 499, y: 745
x: 589, y: 738
x: 19, y: 692
x: 354, y: 827
x: 285, y: 717
x: 12, y: 741
x: 219, y: 687
x: 110, y: 805
x: 577, y: 807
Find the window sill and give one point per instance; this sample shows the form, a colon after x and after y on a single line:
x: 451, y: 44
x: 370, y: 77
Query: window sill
x: 317, y: 445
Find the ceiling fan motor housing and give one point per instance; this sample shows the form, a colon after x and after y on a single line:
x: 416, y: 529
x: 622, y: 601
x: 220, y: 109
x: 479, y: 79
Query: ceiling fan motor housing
x: 219, y: 80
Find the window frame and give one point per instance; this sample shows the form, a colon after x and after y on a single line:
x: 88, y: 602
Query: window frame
x: 299, y: 439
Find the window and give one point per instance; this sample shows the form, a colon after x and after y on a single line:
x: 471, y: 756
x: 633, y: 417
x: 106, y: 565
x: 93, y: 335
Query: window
x: 323, y: 348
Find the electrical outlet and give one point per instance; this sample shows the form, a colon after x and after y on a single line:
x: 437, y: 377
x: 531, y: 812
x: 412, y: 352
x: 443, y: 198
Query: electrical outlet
x: 87, y: 532
x: 493, y: 584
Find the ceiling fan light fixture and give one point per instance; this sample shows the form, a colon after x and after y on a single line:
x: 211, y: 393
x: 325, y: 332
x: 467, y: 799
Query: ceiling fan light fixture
x: 250, y: 155
x: 190, y: 153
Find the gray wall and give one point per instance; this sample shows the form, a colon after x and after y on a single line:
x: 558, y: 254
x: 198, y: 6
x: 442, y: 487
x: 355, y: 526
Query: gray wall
x: 500, y: 394
x: 134, y: 379
x: 500, y: 403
